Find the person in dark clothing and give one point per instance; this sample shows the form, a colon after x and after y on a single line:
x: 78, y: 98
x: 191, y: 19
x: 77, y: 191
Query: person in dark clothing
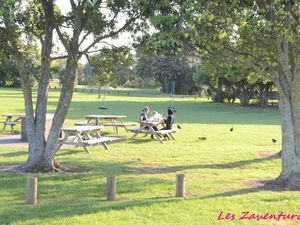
x: 169, y: 121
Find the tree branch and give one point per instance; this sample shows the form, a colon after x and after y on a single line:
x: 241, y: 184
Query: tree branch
x: 111, y: 34
x: 58, y: 57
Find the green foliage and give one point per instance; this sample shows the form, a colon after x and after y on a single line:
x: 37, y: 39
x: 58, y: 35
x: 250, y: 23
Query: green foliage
x: 9, y: 74
x: 102, y: 68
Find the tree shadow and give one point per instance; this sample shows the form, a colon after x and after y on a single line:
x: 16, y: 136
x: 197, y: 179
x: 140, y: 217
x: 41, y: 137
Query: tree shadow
x: 173, y: 169
x: 14, y: 154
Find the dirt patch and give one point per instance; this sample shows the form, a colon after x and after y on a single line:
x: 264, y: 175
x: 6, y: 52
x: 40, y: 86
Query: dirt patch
x: 18, y: 169
x: 255, y: 183
x: 268, y: 185
x: 268, y: 155
x: 74, y: 169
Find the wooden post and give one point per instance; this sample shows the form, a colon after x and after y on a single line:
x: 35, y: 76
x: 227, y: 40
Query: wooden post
x: 111, y: 188
x: 180, y: 189
x: 31, y: 197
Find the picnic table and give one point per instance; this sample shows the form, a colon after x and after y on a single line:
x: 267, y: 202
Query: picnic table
x: 12, y: 120
x: 84, y: 136
x: 147, y: 128
x: 115, y: 121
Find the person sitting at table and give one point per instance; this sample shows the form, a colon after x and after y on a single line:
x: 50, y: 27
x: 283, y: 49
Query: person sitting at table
x: 143, y: 116
x: 169, y: 121
x: 155, y: 117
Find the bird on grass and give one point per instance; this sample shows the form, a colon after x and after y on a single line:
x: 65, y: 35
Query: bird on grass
x: 178, y: 126
x: 274, y: 140
x: 231, y: 129
x: 202, y: 138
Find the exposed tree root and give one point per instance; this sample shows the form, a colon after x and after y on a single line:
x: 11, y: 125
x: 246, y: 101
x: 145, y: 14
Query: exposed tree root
x: 54, y: 168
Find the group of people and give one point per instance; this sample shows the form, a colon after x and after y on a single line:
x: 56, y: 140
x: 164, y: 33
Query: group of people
x: 157, y: 117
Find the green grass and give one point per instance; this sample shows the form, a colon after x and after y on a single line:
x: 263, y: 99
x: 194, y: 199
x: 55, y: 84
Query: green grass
x: 215, y: 169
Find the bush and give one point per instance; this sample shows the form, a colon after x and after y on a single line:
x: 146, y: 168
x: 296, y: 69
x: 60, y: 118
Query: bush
x: 219, y: 96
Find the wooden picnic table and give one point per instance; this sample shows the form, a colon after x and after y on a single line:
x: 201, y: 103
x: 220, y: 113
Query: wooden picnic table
x: 147, y: 128
x: 115, y: 121
x: 12, y: 120
x: 84, y: 136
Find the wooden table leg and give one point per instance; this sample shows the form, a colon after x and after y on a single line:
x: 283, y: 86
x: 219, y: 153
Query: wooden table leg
x: 116, y: 127
x: 82, y: 143
x: 105, y: 146
x: 62, y: 141
x: 137, y: 132
x: 171, y: 136
x: 152, y: 131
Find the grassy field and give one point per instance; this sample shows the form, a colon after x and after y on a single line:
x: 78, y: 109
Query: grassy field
x: 217, y: 170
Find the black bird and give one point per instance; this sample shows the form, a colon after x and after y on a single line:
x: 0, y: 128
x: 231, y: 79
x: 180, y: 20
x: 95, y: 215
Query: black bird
x: 231, y: 129
x: 274, y: 140
x: 178, y: 126
x: 202, y: 138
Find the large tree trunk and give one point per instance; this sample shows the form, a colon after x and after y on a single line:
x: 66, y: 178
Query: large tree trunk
x: 36, y: 127
x: 290, y: 127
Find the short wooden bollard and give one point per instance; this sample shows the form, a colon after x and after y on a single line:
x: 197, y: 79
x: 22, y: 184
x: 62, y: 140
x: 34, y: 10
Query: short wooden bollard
x: 180, y: 189
x: 111, y: 188
x: 32, y: 185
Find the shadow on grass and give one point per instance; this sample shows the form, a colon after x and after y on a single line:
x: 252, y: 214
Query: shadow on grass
x: 173, y: 169
x: 72, y: 208
x: 14, y: 154
x: 58, y: 200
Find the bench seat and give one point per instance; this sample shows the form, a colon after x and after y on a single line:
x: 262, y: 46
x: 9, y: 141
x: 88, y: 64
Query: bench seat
x: 12, y: 122
x: 83, y: 123
x: 126, y: 124
x: 166, y: 131
x: 134, y: 130
x: 101, y: 140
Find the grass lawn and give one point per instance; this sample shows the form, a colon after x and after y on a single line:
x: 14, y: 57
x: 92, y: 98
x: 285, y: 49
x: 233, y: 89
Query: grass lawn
x: 216, y: 169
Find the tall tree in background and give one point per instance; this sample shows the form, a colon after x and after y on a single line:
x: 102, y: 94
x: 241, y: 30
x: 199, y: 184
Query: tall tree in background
x: 104, y: 65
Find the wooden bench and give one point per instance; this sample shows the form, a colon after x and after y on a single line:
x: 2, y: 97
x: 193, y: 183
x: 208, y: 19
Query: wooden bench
x: 101, y: 140
x: 167, y: 132
x: 134, y: 130
x: 84, y: 136
x: 83, y: 123
x: 118, y: 124
x: 85, y: 143
x: 10, y: 123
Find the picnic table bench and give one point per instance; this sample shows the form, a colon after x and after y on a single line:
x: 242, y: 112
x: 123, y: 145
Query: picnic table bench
x: 85, y: 136
x: 147, y: 128
x: 12, y: 120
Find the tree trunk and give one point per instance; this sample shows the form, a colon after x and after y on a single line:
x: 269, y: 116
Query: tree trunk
x: 245, y: 98
x: 289, y: 106
x: 99, y: 91
x: 37, y: 143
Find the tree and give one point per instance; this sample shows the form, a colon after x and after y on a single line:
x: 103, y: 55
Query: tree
x: 266, y: 34
x: 37, y: 19
x: 103, y: 66
x: 9, y: 74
